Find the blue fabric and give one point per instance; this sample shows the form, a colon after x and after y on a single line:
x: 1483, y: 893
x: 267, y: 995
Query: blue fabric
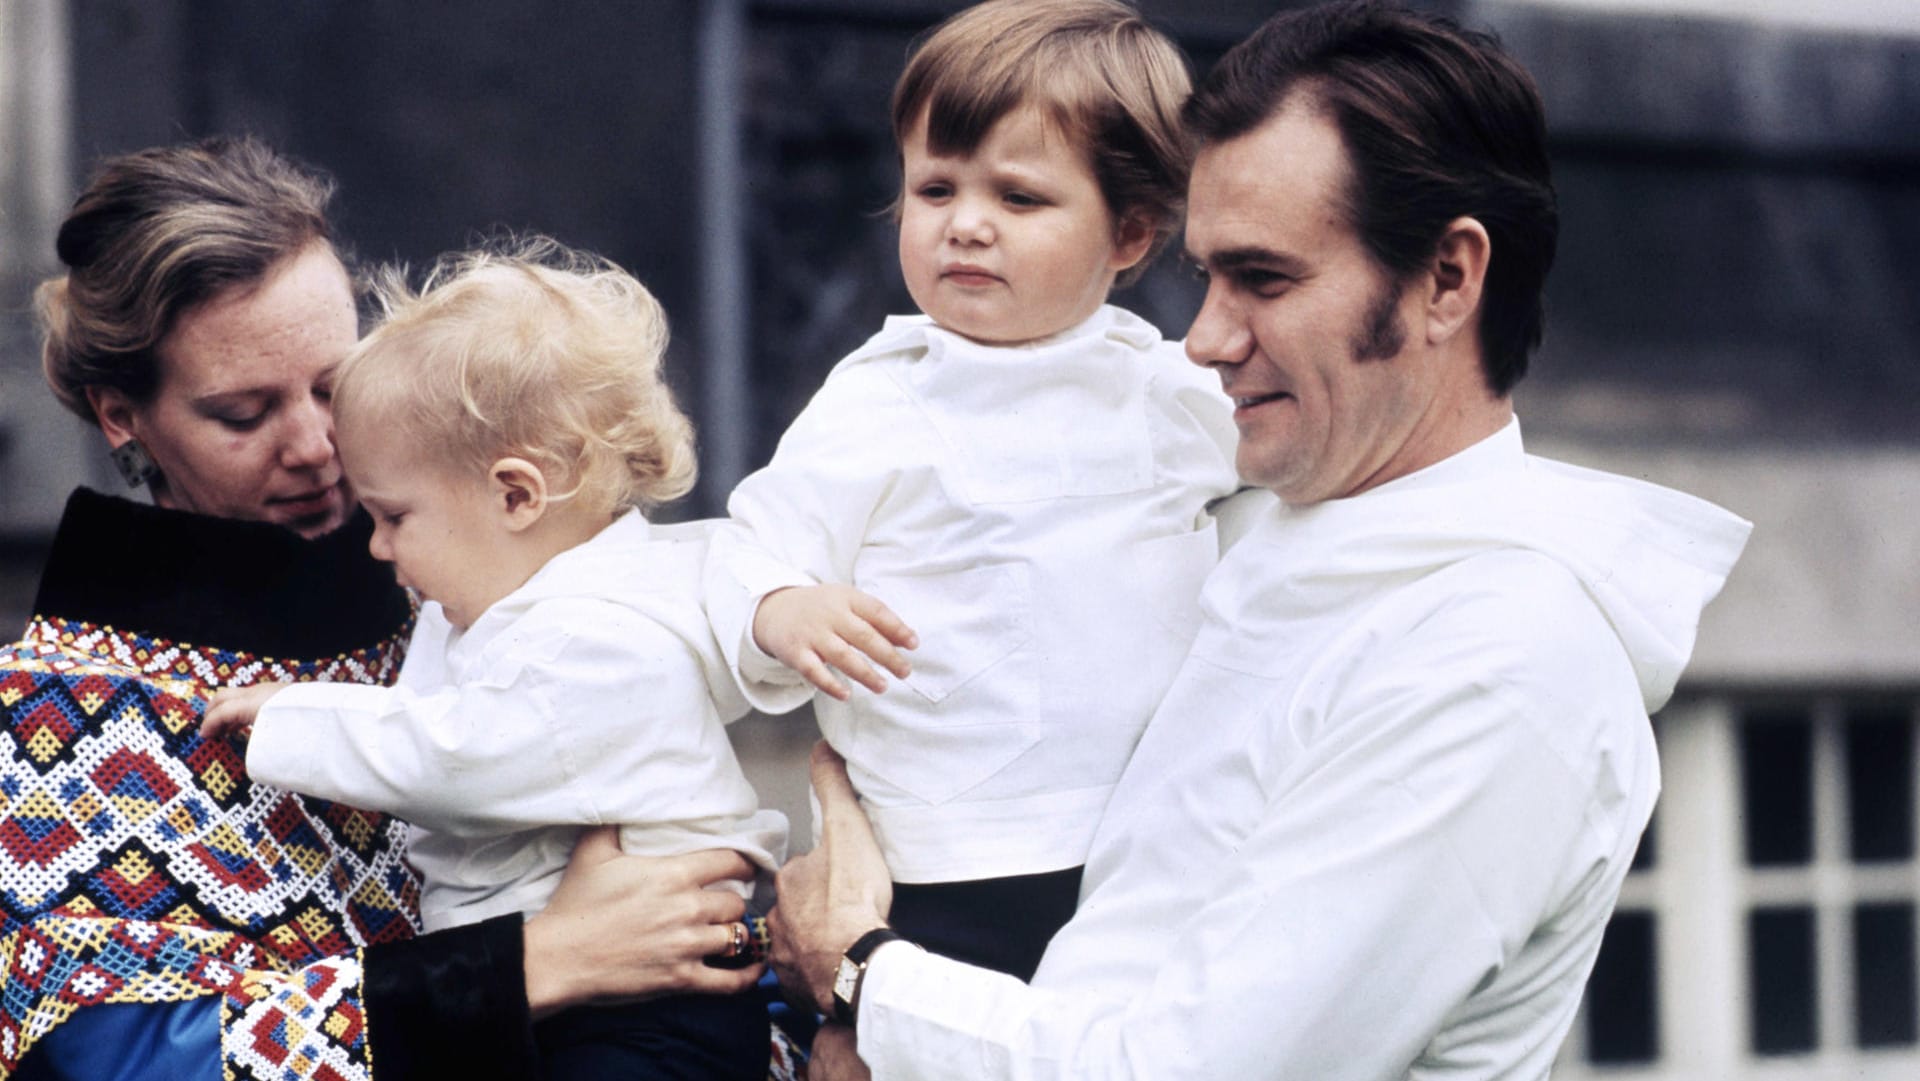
x: 163, y: 1041
x: 799, y: 1025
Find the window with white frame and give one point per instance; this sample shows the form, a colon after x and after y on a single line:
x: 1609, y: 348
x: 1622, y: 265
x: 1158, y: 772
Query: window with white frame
x: 1768, y: 929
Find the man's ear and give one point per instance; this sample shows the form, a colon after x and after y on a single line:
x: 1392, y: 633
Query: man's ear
x: 1132, y: 238
x: 519, y: 490
x: 116, y: 413
x: 1459, y: 275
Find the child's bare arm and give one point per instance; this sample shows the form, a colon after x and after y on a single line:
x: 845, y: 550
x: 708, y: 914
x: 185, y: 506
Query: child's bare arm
x: 816, y: 629
x: 232, y: 710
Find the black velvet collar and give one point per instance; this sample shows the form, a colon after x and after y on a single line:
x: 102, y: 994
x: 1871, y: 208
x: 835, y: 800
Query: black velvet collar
x: 247, y: 587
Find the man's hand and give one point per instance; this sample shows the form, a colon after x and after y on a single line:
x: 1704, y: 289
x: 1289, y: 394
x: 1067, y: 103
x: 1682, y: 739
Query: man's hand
x: 233, y: 709
x: 833, y: 894
x: 836, y: 1056
x: 816, y: 629
x: 625, y: 927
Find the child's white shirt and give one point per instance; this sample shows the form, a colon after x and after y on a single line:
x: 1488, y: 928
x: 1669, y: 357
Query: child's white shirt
x: 1038, y: 514
x: 593, y: 694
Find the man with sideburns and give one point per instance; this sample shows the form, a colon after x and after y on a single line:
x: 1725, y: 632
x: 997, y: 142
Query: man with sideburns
x: 1381, y: 818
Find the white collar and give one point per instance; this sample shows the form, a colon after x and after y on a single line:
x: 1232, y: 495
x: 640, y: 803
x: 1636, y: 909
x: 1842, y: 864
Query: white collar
x: 1501, y: 452
x: 578, y: 569
x: 920, y: 334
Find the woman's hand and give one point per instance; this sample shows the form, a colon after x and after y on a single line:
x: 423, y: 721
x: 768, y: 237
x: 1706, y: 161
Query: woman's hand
x: 232, y: 710
x: 833, y: 894
x: 625, y: 927
x: 817, y: 629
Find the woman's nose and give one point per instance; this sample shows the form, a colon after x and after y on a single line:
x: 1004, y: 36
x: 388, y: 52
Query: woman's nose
x: 309, y: 437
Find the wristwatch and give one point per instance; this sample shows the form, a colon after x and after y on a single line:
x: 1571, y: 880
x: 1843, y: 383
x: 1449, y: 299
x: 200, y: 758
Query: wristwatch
x: 853, y: 969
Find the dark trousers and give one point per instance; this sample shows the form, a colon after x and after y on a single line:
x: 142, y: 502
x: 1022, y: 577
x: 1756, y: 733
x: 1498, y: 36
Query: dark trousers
x: 682, y: 1038
x: 998, y: 923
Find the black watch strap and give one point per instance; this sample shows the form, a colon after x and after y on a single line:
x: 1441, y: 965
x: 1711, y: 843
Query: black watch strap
x: 864, y: 946
x: 846, y: 1000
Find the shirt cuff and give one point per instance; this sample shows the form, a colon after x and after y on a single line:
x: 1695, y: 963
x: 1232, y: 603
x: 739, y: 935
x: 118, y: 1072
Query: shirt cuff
x: 286, y: 731
x: 927, y: 1016
x: 769, y: 686
x: 756, y: 663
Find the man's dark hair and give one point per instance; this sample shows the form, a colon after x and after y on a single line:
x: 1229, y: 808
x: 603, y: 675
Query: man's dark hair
x: 1439, y: 123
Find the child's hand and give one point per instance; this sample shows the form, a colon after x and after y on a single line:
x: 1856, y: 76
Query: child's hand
x: 808, y: 628
x: 232, y: 710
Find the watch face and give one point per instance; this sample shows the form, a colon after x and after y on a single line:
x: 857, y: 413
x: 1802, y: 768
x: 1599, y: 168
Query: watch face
x: 845, y: 980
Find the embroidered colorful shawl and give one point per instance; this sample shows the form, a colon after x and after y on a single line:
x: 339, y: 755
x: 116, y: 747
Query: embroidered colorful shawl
x: 137, y: 861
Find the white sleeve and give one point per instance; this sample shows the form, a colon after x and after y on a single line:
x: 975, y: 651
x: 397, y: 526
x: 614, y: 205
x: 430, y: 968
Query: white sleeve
x: 802, y: 519
x: 588, y: 713
x: 1192, y: 395
x: 1422, y: 842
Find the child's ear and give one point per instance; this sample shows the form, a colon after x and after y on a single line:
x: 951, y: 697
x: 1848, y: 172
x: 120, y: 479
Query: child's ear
x: 519, y: 490
x: 1132, y: 238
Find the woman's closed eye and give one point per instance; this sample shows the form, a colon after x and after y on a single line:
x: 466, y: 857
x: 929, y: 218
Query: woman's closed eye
x: 241, y: 412
x: 240, y: 422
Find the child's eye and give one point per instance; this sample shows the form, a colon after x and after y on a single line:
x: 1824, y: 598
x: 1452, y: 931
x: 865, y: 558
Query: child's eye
x: 1023, y: 199
x: 392, y: 519
x: 934, y: 192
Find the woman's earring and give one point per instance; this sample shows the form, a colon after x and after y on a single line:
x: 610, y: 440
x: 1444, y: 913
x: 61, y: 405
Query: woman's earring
x: 134, y: 463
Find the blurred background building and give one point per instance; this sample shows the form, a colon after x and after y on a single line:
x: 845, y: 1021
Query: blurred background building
x: 1736, y: 312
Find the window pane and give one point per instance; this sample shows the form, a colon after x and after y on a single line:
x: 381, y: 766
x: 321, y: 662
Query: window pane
x: 1880, y: 784
x: 1883, y: 975
x: 1781, y: 943
x: 1776, y: 786
x: 1622, y: 1003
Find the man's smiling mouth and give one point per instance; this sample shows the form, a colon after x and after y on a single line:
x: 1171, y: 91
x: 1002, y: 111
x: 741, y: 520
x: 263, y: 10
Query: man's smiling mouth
x: 1258, y: 399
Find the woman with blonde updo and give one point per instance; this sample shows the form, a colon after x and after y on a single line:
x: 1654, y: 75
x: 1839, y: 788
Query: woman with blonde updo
x: 504, y: 426
x: 162, y: 914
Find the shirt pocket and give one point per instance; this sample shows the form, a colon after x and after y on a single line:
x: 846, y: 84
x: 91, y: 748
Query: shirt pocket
x: 971, y: 705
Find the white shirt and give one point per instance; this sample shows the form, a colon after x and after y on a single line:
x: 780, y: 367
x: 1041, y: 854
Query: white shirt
x: 593, y: 694
x: 1038, y: 515
x: 1379, y: 824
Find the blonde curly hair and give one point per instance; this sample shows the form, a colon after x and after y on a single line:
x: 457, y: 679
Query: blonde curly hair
x: 526, y: 348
